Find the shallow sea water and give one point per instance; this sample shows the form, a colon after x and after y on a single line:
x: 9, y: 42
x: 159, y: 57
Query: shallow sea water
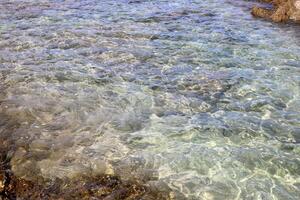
x: 197, y: 96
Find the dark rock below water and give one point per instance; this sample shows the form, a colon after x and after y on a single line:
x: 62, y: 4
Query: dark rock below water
x: 104, y: 187
x: 283, y: 10
x: 101, y: 187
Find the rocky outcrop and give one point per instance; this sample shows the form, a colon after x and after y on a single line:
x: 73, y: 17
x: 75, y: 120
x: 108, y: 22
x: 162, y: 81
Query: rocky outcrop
x: 283, y: 10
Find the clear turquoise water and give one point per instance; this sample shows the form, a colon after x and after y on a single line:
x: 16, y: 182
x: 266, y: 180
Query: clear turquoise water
x: 193, y: 95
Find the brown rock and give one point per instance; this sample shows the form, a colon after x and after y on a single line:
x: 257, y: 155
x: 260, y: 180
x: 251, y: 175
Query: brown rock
x: 281, y: 13
x: 261, y: 12
x: 283, y: 10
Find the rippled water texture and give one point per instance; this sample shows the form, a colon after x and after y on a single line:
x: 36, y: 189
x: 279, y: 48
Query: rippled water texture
x: 193, y: 95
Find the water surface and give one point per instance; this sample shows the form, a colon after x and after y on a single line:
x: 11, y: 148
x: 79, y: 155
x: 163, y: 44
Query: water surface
x: 196, y: 96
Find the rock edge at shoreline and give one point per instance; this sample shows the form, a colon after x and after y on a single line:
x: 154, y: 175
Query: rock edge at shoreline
x: 283, y: 10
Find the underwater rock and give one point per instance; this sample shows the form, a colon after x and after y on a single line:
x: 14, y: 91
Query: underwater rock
x: 101, y: 186
x: 283, y: 10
